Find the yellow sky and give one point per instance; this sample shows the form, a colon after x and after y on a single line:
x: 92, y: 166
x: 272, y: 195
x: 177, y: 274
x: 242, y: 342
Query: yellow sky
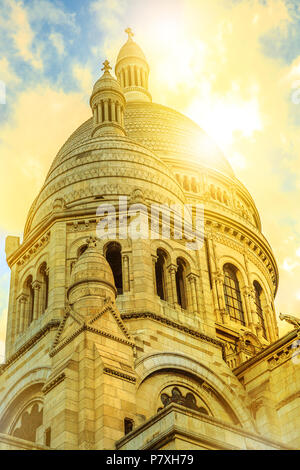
x: 206, y: 61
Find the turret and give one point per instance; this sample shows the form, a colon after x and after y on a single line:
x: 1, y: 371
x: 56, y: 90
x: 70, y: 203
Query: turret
x: 132, y: 71
x: 107, y: 103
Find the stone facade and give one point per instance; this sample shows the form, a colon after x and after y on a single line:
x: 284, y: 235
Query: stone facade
x: 143, y: 343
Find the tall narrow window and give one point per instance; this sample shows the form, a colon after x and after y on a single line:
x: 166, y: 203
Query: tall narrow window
x: 81, y: 250
x: 259, y: 310
x: 181, y: 283
x: 114, y: 258
x: 160, y: 274
x: 30, y: 292
x: 232, y: 294
x: 45, y: 287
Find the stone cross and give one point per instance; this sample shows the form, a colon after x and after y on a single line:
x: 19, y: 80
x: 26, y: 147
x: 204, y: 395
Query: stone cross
x: 106, y: 67
x: 129, y: 32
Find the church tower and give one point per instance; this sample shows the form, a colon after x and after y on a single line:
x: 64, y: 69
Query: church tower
x: 128, y: 342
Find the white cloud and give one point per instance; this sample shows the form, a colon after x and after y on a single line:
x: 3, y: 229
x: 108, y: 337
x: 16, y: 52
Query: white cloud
x: 58, y: 42
x: 84, y: 76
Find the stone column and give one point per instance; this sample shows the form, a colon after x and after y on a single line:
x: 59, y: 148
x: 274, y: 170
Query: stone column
x: 36, y: 285
x: 248, y: 297
x: 139, y: 83
x: 113, y: 111
x: 106, y: 110
x: 23, y: 304
x: 192, y: 281
x: 172, y: 272
x: 100, y: 117
x: 132, y: 75
x: 126, y: 279
x: 154, y: 259
x: 95, y: 117
x: 126, y: 77
x: 119, y: 113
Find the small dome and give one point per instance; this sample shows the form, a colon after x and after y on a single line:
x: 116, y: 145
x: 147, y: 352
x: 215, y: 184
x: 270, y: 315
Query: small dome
x: 92, y: 266
x: 131, y: 49
x: 92, y: 282
x: 107, y: 82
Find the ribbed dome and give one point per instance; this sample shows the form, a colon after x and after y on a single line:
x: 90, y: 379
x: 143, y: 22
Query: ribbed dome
x: 106, y: 82
x: 92, y: 282
x: 92, y: 266
x: 163, y: 130
x: 131, y: 49
x: 91, y: 169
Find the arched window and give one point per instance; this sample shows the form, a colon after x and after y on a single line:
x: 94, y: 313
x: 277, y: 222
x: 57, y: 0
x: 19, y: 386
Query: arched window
x: 160, y: 267
x: 114, y: 258
x: 181, y: 283
x: 28, y: 423
x: 30, y: 301
x: 43, y: 271
x: 232, y: 294
x: 259, y: 310
x: 81, y: 250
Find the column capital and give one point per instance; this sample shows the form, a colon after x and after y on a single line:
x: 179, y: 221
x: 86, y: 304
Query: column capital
x: 36, y: 285
x: 22, y: 298
x: 172, y: 268
x: 192, y: 277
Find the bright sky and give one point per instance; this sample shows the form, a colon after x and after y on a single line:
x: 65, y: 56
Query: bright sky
x: 231, y: 65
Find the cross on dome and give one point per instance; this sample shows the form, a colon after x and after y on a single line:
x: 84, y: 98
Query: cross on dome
x: 106, y: 67
x: 129, y: 32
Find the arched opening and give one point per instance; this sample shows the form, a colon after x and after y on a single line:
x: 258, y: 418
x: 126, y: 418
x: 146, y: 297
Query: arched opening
x: 81, y: 250
x: 181, y: 283
x: 43, y: 271
x: 28, y: 289
x: 114, y: 258
x: 258, y: 305
x: 28, y: 423
x: 212, y: 191
x: 232, y: 293
x: 160, y: 269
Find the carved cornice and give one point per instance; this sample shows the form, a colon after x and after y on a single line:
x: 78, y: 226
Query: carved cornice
x: 28, y: 250
x: 287, y: 400
x: 53, y: 324
x: 121, y: 375
x: 52, y: 383
x: 268, y: 352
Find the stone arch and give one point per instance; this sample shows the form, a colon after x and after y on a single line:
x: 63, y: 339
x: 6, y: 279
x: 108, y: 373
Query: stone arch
x: 44, y: 258
x: 255, y: 276
x: 27, y: 388
x: 149, y: 364
x: 235, y: 262
x: 163, y: 245
x: 28, y: 272
x: 112, y: 251
x: 178, y: 252
x: 76, y: 245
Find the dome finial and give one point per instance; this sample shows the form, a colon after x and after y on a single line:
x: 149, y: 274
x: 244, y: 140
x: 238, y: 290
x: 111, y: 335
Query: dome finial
x: 106, y: 67
x: 130, y: 33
